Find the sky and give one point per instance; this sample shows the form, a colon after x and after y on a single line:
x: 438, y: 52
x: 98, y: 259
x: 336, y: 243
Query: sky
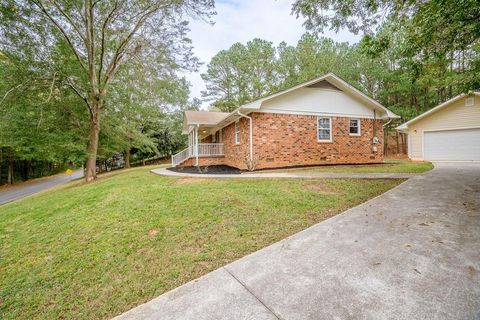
x: 241, y: 21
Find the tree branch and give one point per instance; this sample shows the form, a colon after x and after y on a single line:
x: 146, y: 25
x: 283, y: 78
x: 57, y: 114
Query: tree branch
x: 55, y: 3
x: 90, y: 45
x: 10, y: 91
x: 102, y: 49
x: 67, y: 38
x: 78, y: 93
x: 121, y: 48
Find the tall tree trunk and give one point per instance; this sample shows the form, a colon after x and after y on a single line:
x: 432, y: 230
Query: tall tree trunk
x: 91, y: 171
x: 127, y: 158
x: 10, y: 169
x: 1, y: 164
x: 398, y: 143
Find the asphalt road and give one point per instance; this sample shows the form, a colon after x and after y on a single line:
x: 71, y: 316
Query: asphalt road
x: 24, y: 190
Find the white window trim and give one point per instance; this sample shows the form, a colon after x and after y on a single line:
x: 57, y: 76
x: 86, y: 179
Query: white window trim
x: 330, y: 128
x: 359, y: 127
x: 237, y: 132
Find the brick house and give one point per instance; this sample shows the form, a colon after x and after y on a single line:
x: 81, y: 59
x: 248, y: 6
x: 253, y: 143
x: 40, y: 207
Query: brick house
x: 322, y: 121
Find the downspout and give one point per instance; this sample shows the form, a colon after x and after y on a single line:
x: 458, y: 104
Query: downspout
x: 251, y: 132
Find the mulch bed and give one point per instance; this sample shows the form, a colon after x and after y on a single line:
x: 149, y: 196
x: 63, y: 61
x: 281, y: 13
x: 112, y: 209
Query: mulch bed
x: 207, y: 170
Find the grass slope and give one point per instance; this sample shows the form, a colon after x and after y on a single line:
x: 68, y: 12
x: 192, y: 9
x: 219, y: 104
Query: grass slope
x: 390, y: 166
x: 97, y: 250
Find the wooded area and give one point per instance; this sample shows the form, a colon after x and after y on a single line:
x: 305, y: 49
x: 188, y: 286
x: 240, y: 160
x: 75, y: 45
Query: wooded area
x: 85, y: 81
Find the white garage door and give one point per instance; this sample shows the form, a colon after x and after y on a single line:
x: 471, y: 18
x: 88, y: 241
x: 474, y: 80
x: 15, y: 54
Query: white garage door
x: 452, y: 145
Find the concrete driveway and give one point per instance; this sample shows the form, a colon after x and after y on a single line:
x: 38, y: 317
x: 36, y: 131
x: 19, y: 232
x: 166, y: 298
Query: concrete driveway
x: 31, y: 187
x: 411, y: 253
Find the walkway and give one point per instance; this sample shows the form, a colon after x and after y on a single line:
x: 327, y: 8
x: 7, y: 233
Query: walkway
x: 30, y: 187
x: 313, y: 175
x: 411, y: 253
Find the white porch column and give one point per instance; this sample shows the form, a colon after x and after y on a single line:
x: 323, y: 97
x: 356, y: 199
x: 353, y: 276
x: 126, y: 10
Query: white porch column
x: 196, y: 147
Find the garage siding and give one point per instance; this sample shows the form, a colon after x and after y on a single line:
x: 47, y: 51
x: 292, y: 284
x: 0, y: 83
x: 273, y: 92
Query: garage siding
x: 454, y: 116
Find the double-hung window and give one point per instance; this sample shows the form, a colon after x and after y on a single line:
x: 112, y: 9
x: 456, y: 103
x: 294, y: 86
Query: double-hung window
x: 354, y: 127
x: 237, y: 132
x: 324, y: 126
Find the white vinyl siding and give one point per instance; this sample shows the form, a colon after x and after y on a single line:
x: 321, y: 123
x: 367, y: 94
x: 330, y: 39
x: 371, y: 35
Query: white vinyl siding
x: 237, y: 132
x: 454, y: 116
x: 324, y: 129
x: 354, y: 127
x: 319, y: 101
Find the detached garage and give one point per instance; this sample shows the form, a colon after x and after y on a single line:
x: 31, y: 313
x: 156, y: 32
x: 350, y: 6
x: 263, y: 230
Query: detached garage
x: 448, y: 132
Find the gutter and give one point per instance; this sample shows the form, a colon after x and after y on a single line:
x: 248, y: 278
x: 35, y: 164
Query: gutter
x: 251, y: 132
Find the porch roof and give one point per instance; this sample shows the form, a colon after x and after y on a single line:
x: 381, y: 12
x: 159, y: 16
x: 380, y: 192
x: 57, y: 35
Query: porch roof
x: 204, y: 117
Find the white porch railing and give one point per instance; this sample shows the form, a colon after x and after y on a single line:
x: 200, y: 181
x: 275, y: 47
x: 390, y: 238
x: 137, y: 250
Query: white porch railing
x: 204, y: 150
x: 210, y: 149
x: 182, y: 156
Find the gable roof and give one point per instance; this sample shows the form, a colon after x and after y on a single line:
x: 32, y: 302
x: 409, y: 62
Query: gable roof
x: 336, y: 82
x: 328, y: 80
x: 404, y: 126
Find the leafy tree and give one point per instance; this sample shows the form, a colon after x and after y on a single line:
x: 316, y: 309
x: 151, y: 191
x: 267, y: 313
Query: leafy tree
x: 240, y: 74
x: 101, y: 36
x: 434, y: 20
x: 38, y: 119
x: 429, y: 49
x: 138, y: 101
x: 313, y: 57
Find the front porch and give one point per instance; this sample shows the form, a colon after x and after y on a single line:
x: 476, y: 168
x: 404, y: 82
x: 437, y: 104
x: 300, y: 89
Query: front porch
x: 199, y: 148
x: 196, y: 151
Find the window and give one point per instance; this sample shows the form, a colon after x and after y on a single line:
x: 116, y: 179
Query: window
x: 237, y: 132
x: 214, y: 137
x: 324, y: 129
x: 354, y: 128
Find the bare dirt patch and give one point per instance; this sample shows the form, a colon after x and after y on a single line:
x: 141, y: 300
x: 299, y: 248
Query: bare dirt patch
x: 153, y: 232
x: 191, y: 180
x: 232, y: 200
x: 319, y: 188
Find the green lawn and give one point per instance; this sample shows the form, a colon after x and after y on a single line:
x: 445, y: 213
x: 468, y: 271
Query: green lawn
x: 390, y: 166
x: 88, y: 251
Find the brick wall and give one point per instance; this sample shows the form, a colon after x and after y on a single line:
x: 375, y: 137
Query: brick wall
x: 203, y: 161
x: 236, y: 155
x: 282, y: 140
